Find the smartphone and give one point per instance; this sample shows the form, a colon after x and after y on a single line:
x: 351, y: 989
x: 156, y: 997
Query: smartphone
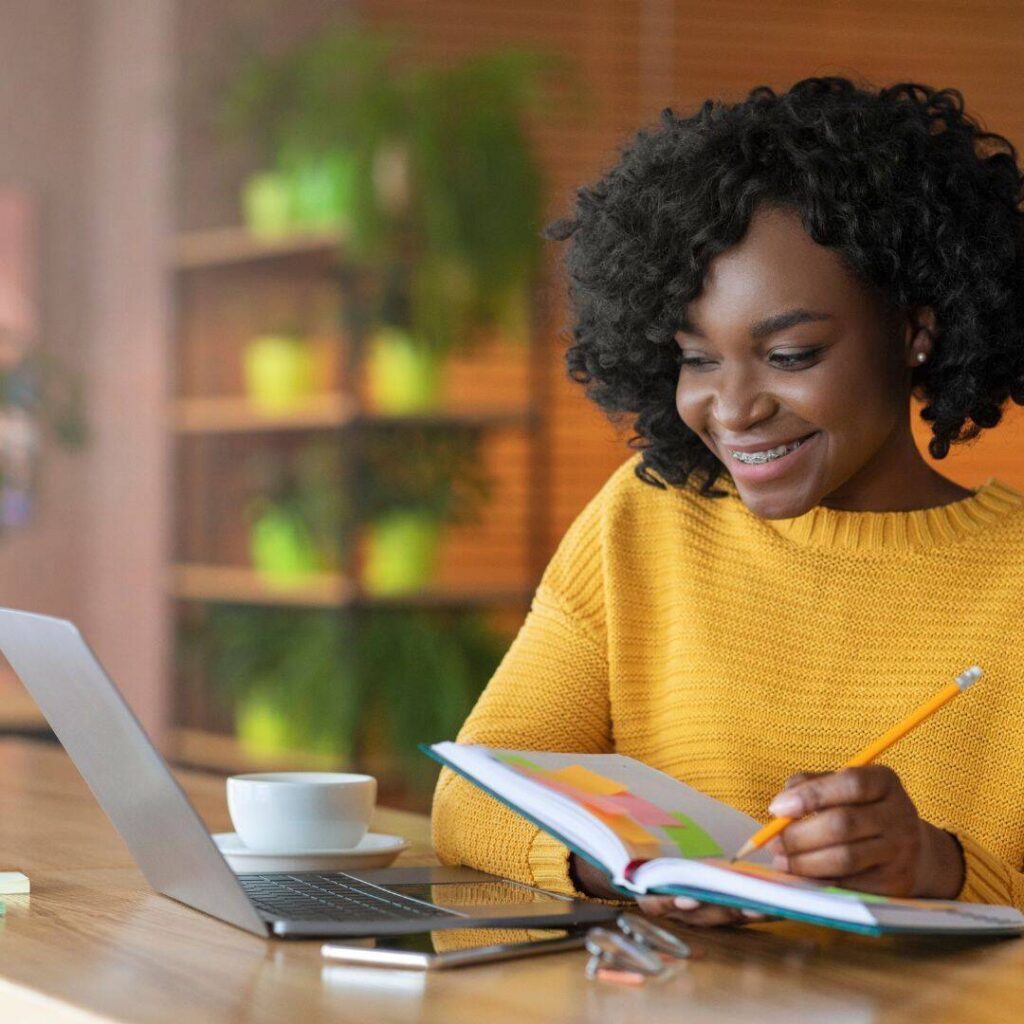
x: 451, y: 947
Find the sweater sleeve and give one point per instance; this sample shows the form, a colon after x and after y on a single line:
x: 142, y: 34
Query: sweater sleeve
x: 987, y: 877
x: 550, y: 692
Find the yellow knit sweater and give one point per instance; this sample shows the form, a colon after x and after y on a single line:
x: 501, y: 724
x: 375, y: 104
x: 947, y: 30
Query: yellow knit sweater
x: 731, y: 651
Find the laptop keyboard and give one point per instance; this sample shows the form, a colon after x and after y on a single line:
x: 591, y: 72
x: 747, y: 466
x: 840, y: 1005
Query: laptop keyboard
x: 331, y: 897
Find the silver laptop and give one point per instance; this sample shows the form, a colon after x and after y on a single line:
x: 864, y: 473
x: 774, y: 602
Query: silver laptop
x: 180, y: 860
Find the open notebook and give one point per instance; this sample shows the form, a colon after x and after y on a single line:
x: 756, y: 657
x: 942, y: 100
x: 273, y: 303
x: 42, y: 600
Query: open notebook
x: 651, y: 833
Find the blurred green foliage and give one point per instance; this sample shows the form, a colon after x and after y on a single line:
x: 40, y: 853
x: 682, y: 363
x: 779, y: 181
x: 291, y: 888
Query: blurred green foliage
x: 340, y: 681
x: 445, y: 190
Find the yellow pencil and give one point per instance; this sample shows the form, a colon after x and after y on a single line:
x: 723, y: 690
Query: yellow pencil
x: 872, y: 750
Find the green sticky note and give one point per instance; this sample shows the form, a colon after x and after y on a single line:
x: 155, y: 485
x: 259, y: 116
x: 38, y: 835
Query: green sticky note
x: 690, y: 838
x: 515, y: 759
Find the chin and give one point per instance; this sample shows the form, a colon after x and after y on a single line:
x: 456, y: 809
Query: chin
x: 775, y: 506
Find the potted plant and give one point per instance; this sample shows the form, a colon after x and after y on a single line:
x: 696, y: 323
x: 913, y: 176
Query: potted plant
x: 362, y: 689
x: 408, y: 483
x: 442, y: 191
x: 299, y: 518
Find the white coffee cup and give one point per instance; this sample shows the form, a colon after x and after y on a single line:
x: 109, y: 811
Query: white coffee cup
x: 299, y: 811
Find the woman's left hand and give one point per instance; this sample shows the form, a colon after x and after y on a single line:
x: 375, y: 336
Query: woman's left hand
x: 858, y: 828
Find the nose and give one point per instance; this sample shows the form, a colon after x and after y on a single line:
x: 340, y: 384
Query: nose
x: 739, y: 401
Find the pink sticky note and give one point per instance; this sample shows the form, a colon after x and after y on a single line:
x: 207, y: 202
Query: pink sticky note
x: 640, y: 809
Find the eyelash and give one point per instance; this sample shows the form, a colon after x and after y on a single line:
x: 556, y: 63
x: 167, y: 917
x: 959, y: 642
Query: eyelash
x: 791, y: 360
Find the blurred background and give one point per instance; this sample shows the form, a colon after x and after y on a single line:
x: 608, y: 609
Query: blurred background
x: 284, y: 422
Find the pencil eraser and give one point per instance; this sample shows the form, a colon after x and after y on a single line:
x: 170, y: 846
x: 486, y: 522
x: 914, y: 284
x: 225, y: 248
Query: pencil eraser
x: 13, y: 883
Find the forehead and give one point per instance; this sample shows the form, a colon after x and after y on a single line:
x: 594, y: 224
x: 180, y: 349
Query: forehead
x: 775, y: 266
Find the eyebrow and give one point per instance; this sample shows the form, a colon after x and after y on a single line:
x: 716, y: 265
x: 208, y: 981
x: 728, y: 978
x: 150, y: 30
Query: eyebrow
x: 770, y: 325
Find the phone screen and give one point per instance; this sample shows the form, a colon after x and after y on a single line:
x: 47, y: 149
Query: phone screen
x: 451, y: 947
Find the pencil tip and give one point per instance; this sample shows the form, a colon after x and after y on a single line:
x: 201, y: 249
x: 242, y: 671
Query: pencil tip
x: 741, y: 853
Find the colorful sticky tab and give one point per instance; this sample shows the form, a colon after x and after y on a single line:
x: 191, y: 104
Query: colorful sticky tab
x: 638, y: 840
x: 608, y: 804
x: 573, y: 792
x: 590, y: 782
x: 518, y: 762
x: 642, y: 810
x: 691, y: 839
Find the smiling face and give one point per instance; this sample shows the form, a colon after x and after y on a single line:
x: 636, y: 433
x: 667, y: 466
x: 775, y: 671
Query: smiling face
x: 784, y: 344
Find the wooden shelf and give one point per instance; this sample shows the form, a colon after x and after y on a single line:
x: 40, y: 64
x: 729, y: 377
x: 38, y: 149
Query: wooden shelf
x: 218, y: 752
x: 225, y: 246
x: 469, y: 416
x: 236, y: 414
x: 235, y: 585
x: 246, y: 586
x: 233, y: 414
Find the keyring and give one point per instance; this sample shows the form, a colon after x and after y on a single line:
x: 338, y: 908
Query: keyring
x: 653, y: 936
x: 613, y: 950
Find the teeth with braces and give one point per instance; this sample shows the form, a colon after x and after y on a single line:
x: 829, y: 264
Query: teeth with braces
x: 757, y: 458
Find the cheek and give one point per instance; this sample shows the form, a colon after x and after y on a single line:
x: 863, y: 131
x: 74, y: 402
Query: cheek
x: 689, y: 405
x: 858, y: 407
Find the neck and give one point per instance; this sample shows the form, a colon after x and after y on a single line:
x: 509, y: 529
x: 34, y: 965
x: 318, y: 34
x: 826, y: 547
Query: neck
x: 901, y: 481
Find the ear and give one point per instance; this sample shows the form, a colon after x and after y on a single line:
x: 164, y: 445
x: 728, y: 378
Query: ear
x: 919, y: 334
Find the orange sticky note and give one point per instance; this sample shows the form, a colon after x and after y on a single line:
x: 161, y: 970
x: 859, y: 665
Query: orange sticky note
x: 590, y: 782
x: 637, y: 838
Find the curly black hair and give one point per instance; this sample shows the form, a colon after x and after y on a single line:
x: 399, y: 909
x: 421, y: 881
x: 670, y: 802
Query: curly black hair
x: 918, y: 200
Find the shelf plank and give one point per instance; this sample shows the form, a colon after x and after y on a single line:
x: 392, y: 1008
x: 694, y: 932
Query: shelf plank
x: 467, y: 416
x: 246, y: 586
x: 239, y: 585
x: 236, y: 414
x: 218, y: 752
x: 331, y: 410
x: 427, y: 598
x: 225, y: 246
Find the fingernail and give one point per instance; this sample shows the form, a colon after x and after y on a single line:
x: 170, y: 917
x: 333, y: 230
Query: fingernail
x: 786, y: 805
x: 754, y: 915
x: 780, y: 863
x: 685, y: 903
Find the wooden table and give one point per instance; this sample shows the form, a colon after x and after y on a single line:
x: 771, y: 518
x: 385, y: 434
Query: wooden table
x: 93, y: 943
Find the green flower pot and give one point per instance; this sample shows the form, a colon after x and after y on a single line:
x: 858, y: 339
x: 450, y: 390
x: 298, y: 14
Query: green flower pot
x: 267, y: 204
x: 278, y: 372
x: 400, y: 553
x: 403, y: 376
x: 282, y: 549
x: 262, y: 726
x: 323, y: 192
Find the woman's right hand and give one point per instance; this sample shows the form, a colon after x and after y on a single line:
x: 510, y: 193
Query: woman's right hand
x: 680, y: 909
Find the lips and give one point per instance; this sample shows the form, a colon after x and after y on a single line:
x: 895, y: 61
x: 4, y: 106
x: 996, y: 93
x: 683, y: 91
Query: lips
x: 763, y: 446
x: 754, y: 469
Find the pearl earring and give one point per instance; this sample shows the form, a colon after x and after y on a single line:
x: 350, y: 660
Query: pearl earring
x: 921, y: 357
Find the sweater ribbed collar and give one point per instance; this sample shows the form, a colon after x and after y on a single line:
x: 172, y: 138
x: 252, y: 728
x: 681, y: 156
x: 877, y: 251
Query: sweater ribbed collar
x: 917, y: 529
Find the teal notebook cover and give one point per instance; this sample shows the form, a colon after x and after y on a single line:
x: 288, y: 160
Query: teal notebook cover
x: 703, y: 895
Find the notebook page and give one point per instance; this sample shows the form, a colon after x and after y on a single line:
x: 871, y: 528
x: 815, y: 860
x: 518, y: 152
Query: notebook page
x: 649, y: 814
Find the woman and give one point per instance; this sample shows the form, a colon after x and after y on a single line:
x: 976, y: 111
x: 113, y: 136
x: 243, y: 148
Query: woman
x: 778, y: 576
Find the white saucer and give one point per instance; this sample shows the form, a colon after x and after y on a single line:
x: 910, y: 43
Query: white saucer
x: 376, y: 850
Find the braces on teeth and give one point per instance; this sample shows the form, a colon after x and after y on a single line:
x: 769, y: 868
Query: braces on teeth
x: 756, y: 458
